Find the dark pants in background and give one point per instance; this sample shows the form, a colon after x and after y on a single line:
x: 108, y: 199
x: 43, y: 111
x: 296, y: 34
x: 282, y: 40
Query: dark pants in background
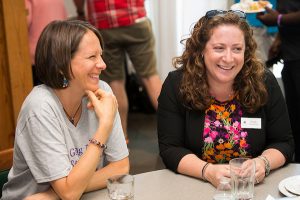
x: 291, y: 81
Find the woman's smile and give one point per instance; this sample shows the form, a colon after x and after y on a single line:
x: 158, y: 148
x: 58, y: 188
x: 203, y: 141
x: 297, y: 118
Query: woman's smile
x: 225, y: 67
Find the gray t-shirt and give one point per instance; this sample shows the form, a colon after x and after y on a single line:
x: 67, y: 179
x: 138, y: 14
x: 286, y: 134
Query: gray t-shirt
x: 48, y: 145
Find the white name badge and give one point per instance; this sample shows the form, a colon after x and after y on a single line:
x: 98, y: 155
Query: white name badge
x: 254, y: 123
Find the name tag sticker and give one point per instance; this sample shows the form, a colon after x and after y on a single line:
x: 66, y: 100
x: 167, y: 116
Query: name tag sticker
x: 254, y: 123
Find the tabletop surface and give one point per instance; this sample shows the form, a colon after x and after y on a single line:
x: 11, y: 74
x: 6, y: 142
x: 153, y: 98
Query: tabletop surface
x: 166, y: 185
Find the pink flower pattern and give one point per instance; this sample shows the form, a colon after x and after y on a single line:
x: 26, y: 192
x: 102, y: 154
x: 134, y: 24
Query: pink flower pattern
x: 224, y: 139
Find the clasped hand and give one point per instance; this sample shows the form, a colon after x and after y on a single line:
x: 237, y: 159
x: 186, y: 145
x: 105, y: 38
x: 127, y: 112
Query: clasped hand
x: 214, y: 172
x: 104, y: 104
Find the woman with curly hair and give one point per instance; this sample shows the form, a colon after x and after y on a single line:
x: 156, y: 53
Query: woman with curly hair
x: 222, y: 103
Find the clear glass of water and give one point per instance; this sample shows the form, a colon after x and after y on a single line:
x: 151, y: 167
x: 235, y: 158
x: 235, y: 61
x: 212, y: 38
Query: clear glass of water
x: 223, y: 191
x: 121, y: 187
x: 242, y: 171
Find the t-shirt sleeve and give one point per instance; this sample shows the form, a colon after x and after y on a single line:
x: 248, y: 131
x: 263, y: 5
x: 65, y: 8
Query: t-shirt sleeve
x: 116, y: 144
x: 42, y: 144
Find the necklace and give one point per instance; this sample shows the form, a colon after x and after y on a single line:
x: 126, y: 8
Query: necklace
x: 229, y: 97
x: 71, y: 118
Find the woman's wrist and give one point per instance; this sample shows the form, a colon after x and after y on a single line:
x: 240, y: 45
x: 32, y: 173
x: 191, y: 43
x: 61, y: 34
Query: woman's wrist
x: 102, y: 134
x: 266, y: 163
x: 279, y: 20
x: 203, y: 171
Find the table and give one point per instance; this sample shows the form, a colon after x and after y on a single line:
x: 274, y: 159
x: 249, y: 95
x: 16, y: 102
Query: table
x: 166, y: 185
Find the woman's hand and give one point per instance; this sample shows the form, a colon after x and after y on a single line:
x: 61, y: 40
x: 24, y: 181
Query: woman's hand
x: 259, y: 170
x: 105, y: 105
x: 268, y: 18
x: 214, y: 173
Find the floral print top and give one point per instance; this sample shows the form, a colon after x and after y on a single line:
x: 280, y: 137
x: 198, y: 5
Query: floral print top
x: 224, y: 139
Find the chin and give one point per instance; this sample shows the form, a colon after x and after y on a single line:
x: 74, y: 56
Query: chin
x: 225, y: 79
x: 93, y: 87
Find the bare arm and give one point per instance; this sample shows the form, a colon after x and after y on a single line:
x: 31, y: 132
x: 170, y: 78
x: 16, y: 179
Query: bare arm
x: 100, y: 177
x: 97, y: 181
x: 191, y: 165
x: 275, y: 158
x: 291, y: 18
x: 270, y: 18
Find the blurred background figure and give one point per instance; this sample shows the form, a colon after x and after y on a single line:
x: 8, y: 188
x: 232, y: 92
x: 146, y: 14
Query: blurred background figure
x: 125, y: 30
x: 40, y: 14
x: 263, y: 35
x: 287, y: 18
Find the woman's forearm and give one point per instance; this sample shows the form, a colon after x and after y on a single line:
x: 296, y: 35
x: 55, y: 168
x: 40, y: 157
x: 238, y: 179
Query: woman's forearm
x: 99, y: 179
x: 191, y: 165
x: 276, y: 158
x: 73, y: 185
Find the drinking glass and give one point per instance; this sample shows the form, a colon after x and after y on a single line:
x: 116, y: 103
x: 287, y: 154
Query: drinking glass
x: 242, y: 171
x: 121, y: 187
x: 223, y: 191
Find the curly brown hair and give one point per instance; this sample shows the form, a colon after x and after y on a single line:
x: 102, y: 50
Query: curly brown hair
x: 248, y: 84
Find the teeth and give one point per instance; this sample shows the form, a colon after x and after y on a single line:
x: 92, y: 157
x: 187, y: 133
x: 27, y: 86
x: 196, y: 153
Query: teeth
x: 94, y: 76
x: 225, y: 68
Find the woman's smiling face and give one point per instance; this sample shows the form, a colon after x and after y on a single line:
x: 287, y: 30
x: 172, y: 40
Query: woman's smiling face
x: 224, y: 54
x: 87, y: 63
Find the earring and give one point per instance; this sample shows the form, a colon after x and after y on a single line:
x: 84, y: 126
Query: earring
x: 65, y: 82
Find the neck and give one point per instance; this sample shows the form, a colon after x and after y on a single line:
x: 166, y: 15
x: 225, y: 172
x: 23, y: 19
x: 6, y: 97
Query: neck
x: 221, y: 93
x: 71, y: 103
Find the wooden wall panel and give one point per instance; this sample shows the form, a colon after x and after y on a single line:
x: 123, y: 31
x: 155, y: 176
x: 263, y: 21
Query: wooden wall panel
x: 15, y: 72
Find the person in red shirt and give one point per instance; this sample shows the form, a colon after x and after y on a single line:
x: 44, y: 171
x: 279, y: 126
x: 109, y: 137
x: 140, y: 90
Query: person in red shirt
x: 126, y: 30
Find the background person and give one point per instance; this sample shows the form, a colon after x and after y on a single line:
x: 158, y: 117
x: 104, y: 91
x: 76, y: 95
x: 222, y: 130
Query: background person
x: 264, y: 36
x: 40, y: 14
x: 125, y: 29
x: 65, y: 123
x: 221, y: 103
x: 287, y: 18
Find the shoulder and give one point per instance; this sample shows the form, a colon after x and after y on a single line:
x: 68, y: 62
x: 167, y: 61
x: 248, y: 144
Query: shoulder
x: 40, y: 101
x: 176, y: 74
x: 270, y: 80
x: 174, y: 78
x: 170, y: 88
x: 39, y: 97
x: 275, y: 94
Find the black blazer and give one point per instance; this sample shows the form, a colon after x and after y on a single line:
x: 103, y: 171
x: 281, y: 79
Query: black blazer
x: 180, y: 130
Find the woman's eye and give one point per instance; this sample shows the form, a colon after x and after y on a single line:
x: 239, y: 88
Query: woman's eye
x: 93, y: 56
x: 237, y: 50
x: 218, y: 48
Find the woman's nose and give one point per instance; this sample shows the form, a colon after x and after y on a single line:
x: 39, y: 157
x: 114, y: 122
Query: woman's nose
x: 101, y: 64
x: 228, y: 57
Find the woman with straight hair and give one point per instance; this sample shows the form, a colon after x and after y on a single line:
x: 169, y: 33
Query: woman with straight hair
x: 69, y: 138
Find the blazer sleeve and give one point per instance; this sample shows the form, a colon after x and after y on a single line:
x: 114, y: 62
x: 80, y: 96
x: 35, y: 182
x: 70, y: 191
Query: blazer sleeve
x: 171, y: 122
x: 279, y: 132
